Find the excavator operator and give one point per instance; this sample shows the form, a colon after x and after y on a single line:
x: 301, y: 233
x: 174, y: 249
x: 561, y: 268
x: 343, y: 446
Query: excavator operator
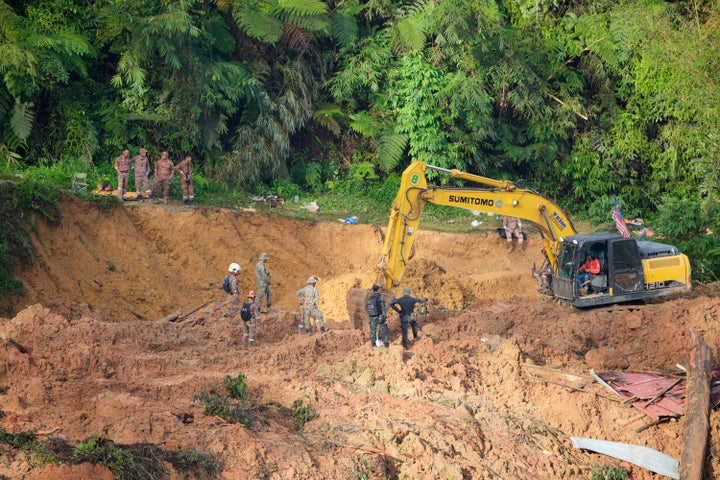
x: 589, y: 268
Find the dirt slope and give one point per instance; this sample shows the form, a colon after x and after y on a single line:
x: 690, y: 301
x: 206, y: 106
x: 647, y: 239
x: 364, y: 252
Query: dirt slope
x: 87, y: 352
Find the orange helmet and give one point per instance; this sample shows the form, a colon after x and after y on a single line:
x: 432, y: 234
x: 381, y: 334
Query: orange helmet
x: 251, y: 293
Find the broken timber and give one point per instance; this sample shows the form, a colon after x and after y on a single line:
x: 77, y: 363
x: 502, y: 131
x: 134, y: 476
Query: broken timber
x: 697, y: 410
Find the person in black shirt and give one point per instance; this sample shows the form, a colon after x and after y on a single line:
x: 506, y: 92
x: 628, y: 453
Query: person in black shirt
x: 377, y: 311
x: 405, y: 306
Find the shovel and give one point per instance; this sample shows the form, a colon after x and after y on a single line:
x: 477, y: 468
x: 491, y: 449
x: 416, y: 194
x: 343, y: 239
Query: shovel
x: 378, y: 340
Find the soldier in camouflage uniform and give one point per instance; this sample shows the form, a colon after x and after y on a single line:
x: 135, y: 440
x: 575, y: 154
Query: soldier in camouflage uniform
x: 513, y: 226
x: 263, y: 280
x: 122, y: 167
x: 164, y: 171
x: 309, y: 297
x: 141, y: 165
x: 185, y: 169
x: 234, y: 293
x: 251, y: 325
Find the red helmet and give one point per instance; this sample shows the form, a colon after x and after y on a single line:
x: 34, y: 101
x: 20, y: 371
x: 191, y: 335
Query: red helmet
x: 312, y: 279
x: 251, y: 293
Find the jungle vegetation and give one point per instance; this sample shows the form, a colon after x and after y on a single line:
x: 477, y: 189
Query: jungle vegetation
x: 586, y: 101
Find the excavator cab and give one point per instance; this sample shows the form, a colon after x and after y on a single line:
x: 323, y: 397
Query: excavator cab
x: 620, y: 278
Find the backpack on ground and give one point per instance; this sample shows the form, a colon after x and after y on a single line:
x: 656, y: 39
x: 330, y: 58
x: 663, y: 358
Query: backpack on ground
x: 246, y: 311
x: 226, y: 284
x: 372, y: 307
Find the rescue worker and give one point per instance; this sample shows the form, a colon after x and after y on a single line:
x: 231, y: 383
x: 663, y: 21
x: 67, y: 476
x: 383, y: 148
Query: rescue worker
x: 122, y: 167
x: 405, y: 306
x: 309, y: 298
x: 233, y: 291
x: 263, y: 280
x: 251, y: 325
x: 164, y: 171
x: 377, y: 311
x: 185, y: 169
x: 141, y: 165
x: 513, y: 226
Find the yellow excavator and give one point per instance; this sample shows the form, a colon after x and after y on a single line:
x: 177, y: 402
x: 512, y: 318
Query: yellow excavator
x: 630, y: 269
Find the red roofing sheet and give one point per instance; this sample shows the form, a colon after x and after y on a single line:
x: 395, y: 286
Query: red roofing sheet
x: 658, y: 395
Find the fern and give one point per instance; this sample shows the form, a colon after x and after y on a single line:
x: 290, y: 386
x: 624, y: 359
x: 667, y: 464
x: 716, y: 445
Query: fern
x: 258, y: 25
x: 364, y: 124
x: 391, y: 150
x: 410, y: 35
x: 297, y: 38
x: 327, y: 117
x: 302, y: 8
x: 22, y: 119
x: 344, y: 28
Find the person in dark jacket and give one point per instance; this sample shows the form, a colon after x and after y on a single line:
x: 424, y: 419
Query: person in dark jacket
x: 377, y: 311
x: 405, y: 306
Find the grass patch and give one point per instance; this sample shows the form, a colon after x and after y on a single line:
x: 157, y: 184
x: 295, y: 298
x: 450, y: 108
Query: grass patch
x: 610, y: 473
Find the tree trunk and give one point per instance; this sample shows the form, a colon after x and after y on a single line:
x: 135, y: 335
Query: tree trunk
x: 697, y: 410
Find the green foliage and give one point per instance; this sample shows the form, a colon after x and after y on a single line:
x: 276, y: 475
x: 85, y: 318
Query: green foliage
x: 610, y: 473
x: 194, y: 463
x: 221, y: 406
x: 124, y: 463
x: 302, y: 413
x: 286, y: 189
x: 21, y: 202
x: 313, y: 176
x: 691, y: 225
x: 237, y: 387
x: 28, y: 442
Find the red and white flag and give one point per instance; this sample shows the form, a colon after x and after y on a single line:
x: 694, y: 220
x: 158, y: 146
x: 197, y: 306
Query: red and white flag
x: 619, y: 221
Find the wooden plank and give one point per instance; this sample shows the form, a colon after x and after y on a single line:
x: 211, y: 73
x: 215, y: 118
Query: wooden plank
x: 556, y: 375
x: 697, y: 410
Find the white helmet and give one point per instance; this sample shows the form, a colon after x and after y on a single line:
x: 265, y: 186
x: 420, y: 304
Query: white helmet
x: 234, y: 268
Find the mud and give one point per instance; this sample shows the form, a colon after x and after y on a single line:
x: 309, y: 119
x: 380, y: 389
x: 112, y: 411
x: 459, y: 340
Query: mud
x: 123, y: 324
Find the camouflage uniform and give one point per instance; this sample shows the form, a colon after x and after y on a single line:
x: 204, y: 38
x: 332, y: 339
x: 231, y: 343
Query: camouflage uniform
x: 185, y: 169
x: 234, y: 295
x: 251, y: 325
x: 142, y: 172
x: 263, y: 280
x: 512, y: 225
x: 309, y: 297
x: 164, y: 171
x: 122, y: 167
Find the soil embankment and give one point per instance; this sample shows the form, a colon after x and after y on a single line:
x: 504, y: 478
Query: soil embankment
x: 90, y: 352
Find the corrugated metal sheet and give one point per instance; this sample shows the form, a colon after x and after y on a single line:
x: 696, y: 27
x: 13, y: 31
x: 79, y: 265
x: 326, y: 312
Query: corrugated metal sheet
x: 638, y: 455
x: 658, y: 395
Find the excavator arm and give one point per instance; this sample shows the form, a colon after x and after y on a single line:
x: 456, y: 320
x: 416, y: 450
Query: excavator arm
x: 496, y: 196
